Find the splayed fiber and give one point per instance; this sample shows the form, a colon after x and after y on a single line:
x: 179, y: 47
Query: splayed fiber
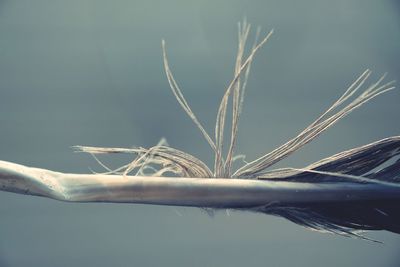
x: 318, y: 126
x: 172, y: 160
x: 372, y: 164
x: 176, y: 161
x: 343, y: 218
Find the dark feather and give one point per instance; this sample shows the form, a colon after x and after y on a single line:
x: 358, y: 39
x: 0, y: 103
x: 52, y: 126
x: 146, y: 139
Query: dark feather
x: 377, y: 162
x: 343, y: 218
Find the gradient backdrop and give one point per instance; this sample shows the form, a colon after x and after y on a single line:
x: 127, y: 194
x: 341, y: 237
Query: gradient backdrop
x: 90, y: 73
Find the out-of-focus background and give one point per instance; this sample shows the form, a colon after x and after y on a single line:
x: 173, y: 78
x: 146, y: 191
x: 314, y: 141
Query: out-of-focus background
x: 90, y: 73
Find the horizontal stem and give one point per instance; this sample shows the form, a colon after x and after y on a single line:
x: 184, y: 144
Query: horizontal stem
x: 198, y: 192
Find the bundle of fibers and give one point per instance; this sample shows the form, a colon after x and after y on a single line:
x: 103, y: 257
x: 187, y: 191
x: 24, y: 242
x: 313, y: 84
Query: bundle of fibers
x: 344, y: 194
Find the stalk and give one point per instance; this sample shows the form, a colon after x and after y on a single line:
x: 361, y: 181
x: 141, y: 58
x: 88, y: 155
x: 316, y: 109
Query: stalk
x: 195, y: 192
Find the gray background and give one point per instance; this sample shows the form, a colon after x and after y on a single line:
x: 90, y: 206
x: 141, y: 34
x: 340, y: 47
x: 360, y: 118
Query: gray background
x: 90, y: 73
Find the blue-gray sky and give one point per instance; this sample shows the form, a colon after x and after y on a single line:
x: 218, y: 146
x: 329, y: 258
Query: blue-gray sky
x: 90, y: 73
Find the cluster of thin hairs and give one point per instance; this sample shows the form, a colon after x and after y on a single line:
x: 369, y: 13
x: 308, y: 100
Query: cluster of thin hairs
x: 162, y: 159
